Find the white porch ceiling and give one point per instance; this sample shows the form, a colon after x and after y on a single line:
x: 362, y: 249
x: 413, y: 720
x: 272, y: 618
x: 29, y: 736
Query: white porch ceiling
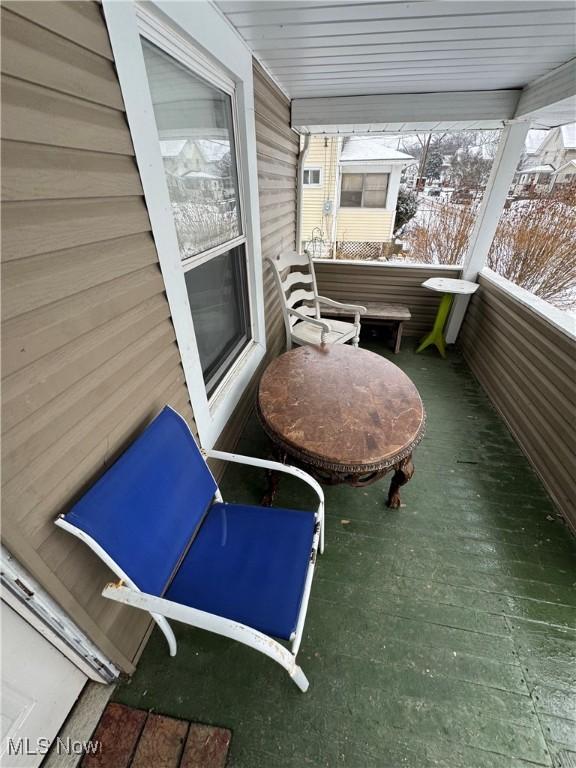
x: 337, y: 48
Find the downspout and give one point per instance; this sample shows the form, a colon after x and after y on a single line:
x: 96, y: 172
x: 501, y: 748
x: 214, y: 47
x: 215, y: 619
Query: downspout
x: 300, y: 190
x: 336, y: 205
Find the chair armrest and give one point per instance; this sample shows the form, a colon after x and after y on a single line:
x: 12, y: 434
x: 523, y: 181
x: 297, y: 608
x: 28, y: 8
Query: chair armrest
x: 320, y: 323
x: 332, y: 303
x: 267, y: 464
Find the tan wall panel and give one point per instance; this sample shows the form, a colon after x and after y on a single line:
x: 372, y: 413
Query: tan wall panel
x: 45, y: 278
x: 30, y: 438
x: 50, y: 225
x: 277, y: 150
x: 89, y: 354
x: 75, y: 20
x: 528, y: 368
x: 27, y: 337
x: 40, y: 56
x: 39, y: 172
x: 42, y: 116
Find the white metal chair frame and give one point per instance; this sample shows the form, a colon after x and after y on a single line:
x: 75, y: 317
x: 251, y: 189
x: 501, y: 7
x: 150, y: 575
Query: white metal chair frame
x: 308, y: 300
x: 126, y: 591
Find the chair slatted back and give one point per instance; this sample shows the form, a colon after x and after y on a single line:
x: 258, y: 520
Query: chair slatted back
x: 298, y: 300
x: 289, y: 260
x: 296, y: 287
x: 146, y: 508
x: 297, y: 278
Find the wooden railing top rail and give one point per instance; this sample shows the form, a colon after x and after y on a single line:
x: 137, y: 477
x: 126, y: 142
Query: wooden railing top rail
x: 456, y: 268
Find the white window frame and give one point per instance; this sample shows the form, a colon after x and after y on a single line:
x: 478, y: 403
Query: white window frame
x: 198, y: 36
x: 313, y: 168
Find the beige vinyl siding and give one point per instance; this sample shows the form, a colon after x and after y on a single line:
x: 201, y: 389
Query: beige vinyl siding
x: 277, y: 156
x: 354, y: 281
x: 367, y: 225
x: 89, y: 353
x: 323, y: 154
x: 528, y: 368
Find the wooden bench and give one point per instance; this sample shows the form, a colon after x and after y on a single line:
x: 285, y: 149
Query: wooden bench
x: 381, y: 312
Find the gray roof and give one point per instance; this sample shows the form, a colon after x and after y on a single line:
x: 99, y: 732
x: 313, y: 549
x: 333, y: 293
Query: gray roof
x: 537, y: 169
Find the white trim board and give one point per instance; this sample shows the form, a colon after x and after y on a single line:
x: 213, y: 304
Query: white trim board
x: 548, y: 90
x: 459, y: 109
x: 209, y: 38
x: 456, y: 268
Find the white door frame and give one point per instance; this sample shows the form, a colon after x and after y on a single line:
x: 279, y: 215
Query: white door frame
x: 22, y: 593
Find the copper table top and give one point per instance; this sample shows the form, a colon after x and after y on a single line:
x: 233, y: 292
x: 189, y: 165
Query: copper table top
x: 340, y: 408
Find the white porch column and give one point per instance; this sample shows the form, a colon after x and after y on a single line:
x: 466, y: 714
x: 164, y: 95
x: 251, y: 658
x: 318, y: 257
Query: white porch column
x: 505, y: 163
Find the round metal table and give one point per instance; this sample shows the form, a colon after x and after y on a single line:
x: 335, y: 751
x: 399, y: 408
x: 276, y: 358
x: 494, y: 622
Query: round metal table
x: 346, y: 415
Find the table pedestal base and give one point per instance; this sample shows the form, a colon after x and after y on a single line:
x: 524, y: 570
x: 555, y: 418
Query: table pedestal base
x: 403, y: 472
x: 436, y: 335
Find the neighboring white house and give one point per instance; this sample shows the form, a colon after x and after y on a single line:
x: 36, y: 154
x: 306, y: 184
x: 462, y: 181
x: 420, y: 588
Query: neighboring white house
x: 551, y: 159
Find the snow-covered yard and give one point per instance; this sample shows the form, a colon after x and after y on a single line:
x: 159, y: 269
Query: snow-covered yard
x: 534, y: 246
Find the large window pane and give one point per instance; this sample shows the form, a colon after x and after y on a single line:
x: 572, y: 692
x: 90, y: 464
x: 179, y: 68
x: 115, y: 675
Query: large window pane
x: 217, y: 292
x: 352, y: 182
x: 376, y: 181
x: 194, y: 121
x: 351, y: 191
x: 375, y: 189
x: 374, y: 199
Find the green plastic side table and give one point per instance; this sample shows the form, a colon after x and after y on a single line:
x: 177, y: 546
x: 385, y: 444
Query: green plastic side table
x: 449, y: 287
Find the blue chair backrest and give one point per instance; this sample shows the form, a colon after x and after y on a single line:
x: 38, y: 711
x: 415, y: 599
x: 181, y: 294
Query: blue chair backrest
x: 145, y: 509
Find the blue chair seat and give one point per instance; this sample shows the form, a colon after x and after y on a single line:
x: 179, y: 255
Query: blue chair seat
x: 248, y: 564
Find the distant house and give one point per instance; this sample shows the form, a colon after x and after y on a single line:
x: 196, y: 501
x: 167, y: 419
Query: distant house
x: 552, y: 162
x: 350, y: 194
x: 202, y: 165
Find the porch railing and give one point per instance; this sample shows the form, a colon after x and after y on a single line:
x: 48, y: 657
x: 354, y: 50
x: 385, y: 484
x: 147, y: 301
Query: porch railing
x: 523, y: 352
x: 392, y: 282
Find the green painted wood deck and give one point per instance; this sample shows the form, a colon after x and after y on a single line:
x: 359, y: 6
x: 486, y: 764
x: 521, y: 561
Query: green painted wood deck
x: 440, y: 634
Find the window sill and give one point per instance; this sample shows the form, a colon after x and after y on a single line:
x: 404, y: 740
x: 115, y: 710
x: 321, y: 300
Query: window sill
x: 365, y: 208
x: 225, y: 399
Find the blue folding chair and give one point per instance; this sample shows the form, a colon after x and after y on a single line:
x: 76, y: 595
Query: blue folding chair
x: 157, y: 519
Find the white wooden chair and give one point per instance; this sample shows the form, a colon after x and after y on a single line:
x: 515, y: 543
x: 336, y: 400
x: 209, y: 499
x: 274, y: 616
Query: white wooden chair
x: 301, y: 304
